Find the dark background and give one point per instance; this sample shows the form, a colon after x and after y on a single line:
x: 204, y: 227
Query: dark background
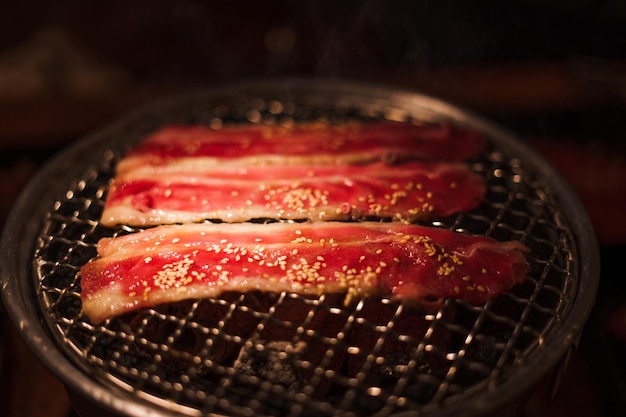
x: 553, y: 72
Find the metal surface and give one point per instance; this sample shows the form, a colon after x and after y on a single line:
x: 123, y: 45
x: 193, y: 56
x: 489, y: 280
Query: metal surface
x: 218, y: 356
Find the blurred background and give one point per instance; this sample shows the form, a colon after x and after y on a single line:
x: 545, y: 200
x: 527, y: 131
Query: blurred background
x: 552, y: 71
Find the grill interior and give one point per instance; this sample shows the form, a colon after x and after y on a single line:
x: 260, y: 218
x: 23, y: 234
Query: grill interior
x: 285, y: 354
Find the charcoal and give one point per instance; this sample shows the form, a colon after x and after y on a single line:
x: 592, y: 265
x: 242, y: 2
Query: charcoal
x: 273, y: 362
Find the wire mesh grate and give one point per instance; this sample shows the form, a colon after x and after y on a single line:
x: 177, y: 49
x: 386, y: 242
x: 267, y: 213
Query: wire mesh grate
x: 285, y: 354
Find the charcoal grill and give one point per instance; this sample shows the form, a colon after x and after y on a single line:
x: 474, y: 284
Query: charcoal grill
x: 169, y: 360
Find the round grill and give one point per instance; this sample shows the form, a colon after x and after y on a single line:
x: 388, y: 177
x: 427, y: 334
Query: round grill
x: 222, y: 356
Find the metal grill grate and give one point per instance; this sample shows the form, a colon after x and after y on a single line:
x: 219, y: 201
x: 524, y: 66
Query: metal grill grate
x: 284, y: 354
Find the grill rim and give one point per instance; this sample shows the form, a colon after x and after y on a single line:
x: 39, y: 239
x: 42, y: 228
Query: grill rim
x: 34, y: 202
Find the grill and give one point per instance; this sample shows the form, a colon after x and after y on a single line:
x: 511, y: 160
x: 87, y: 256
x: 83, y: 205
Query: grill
x: 223, y: 356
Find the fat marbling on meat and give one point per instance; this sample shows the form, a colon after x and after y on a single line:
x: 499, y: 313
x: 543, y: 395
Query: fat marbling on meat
x: 421, y: 265
x: 301, y: 143
x: 407, y: 192
x: 322, y: 171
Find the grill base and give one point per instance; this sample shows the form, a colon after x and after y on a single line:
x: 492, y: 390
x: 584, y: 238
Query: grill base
x: 269, y: 354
